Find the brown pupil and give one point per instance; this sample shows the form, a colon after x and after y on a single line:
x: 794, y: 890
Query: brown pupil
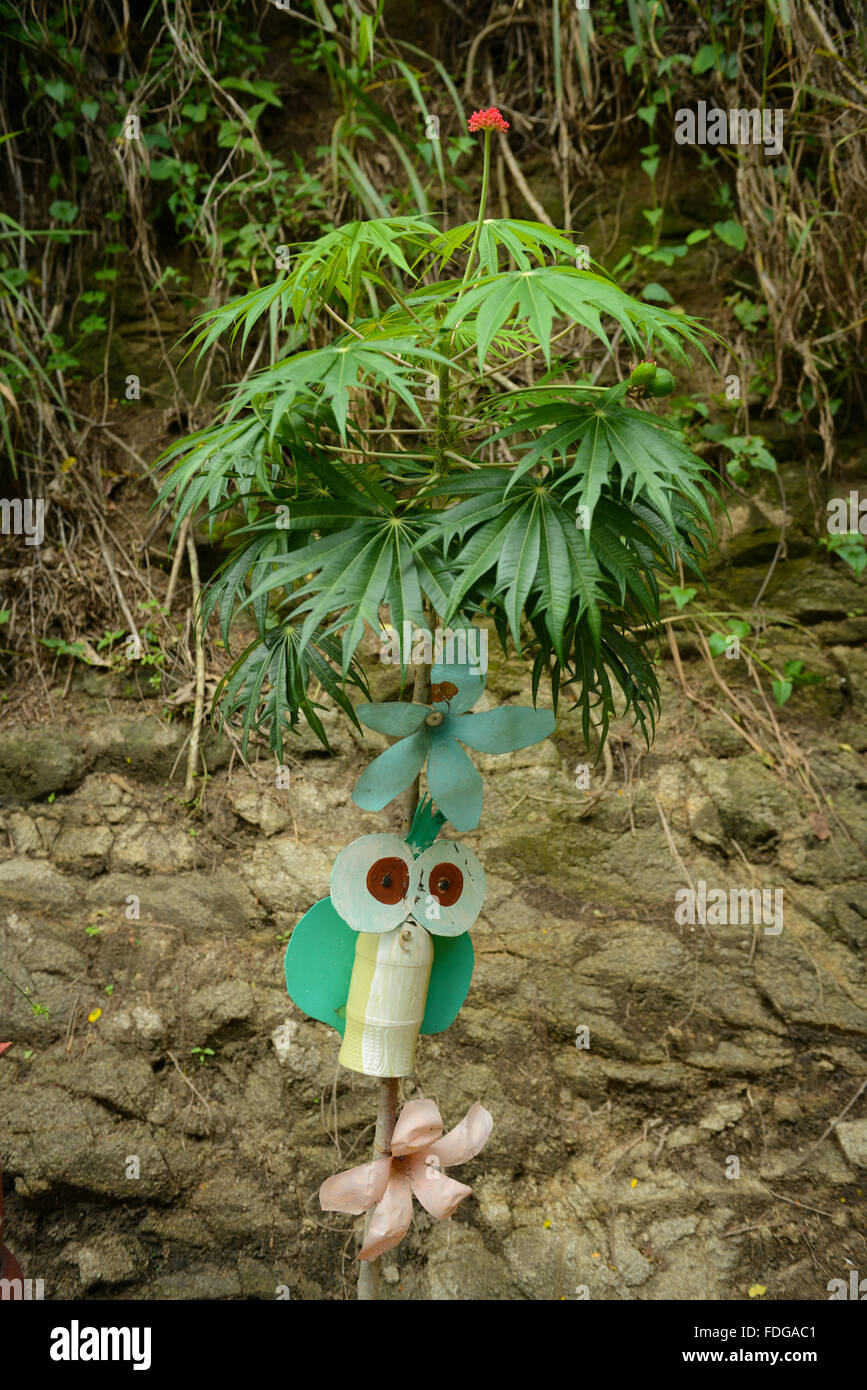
x: 447, y: 883
x: 388, y: 880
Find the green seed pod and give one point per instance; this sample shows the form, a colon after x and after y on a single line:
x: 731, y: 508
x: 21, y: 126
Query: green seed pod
x: 662, y: 384
x: 643, y: 374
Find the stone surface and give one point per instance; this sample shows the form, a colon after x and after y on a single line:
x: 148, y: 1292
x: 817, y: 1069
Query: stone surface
x: 137, y: 1170
x: 852, y: 1136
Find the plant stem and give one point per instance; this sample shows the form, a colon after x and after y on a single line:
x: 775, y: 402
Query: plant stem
x: 199, y: 644
x: 442, y: 435
x: 483, y: 202
x: 368, y: 1274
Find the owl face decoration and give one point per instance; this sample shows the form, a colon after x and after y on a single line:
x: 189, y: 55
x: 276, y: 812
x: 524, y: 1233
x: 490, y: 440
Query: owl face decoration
x: 377, y: 884
x: 388, y: 954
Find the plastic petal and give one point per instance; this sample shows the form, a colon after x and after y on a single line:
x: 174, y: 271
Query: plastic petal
x: 390, y: 1221
x: 396, y: 717
x: 391, y: 773
x: 356, y: 1190
x: 420, y: 1123
x: 438, y: 1193
x: 454, y: 783
x: 505, y: 729
x: 466, y: 1139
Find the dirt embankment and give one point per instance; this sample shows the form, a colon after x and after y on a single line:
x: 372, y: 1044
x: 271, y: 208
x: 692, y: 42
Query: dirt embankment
x: 685, y: 1153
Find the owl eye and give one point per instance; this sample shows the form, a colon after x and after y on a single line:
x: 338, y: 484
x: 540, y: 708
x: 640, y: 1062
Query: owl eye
x: 446, y: 883
x: 388, y: 880
x: 373, y: 881
x: 451, y: 888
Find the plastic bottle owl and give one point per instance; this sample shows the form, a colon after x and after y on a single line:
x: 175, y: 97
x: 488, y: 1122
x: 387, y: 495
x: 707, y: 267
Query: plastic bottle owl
x: 388, y: 954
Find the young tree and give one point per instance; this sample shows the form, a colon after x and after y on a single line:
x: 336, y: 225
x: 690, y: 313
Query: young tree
x: 401, y: 468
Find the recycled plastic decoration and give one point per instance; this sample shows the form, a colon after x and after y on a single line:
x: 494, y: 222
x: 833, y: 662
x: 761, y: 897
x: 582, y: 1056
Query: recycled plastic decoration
x: 419, y: 1153
x: 387, y: 955
x: 454, y: 783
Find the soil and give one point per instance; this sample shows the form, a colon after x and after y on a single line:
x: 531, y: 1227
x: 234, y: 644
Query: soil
x: 664, y: 1094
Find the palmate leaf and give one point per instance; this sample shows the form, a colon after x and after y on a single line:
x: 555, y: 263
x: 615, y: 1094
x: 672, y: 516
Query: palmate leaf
x: 580, y: 295
x: 236, y: 462
x: 525, y: 241
x: 213, y: 465
x: 493, y: 533
x: 349, y: 574
x: 335, y: 263
x: 612, y: 442
x: 590, y: 666
x: 326, y: 375
x: 268, y: 684
x: 547, y: 560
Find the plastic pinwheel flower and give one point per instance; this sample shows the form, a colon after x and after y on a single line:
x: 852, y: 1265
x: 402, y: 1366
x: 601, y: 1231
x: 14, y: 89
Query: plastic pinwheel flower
x: 491, y: 119
x: 419, y: 1153
x: 434, y: 733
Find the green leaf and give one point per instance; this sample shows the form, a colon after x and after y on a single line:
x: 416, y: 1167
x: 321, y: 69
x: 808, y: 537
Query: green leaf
x: 782, y: 690
x: 265, y: 91
x: 59, y: 91
x: 706, y: 58
x: 732, y: 233
x: 656, y: 292
x: 529, y: 541
x: 592, y: 463
x: 555, y: 572
x: 681, y: 597
x: 63, y: 211
x: 496, y: 309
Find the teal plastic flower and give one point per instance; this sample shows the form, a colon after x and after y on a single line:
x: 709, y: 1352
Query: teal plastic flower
x: 454, y: 783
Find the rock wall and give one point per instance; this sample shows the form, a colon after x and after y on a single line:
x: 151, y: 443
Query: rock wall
x: 136, y: 1167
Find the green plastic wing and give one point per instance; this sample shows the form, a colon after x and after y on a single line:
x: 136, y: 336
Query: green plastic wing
x: 321, y: 954
x: 449, y: 985
x: 319, y: 961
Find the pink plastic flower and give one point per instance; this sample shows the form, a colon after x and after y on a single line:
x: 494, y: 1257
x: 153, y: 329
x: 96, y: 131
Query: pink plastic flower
x: 487, y: 120
x: 419, y: 1152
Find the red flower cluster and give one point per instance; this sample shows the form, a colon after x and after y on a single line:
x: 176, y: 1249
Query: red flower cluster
x: 486, y: 120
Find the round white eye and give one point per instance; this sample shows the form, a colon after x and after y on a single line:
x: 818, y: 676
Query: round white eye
x: 451, y: 890
x: 371, y: 882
